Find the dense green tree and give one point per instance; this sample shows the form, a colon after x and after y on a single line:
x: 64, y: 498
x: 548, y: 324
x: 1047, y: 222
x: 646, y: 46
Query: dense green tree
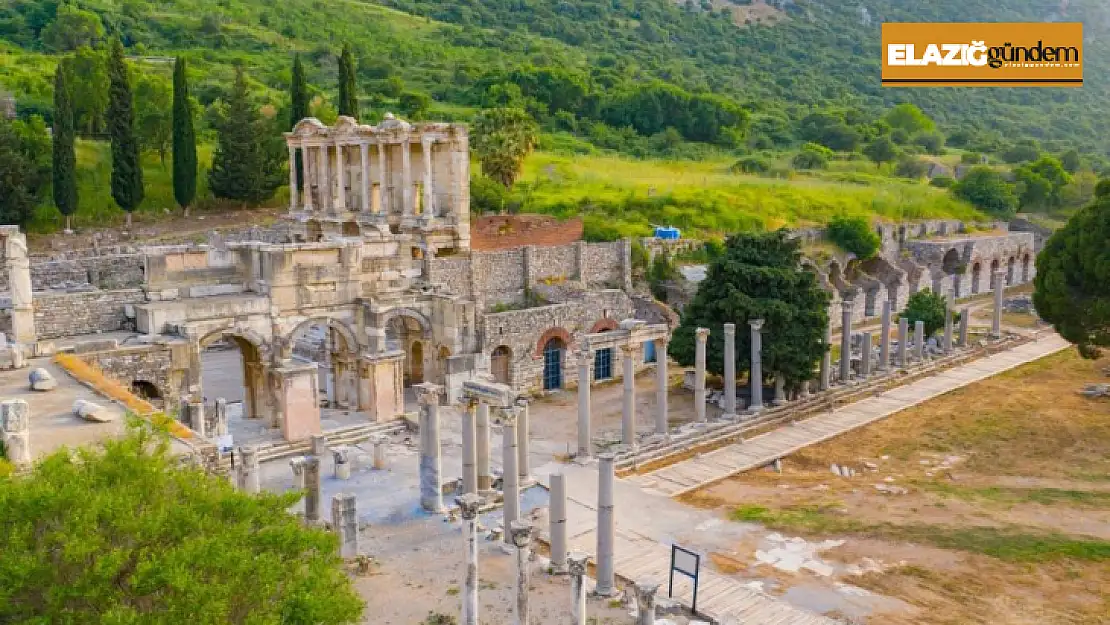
x: 812, y: 156
x: 184, y: 140
x: 243, y: 165
x: 64, y: 153
x: 73, y: 28
x: 928, y: 307
x: 1072, y: 285
x: 348, y: 84
x: 414, y: 105
x: 855, y: 235
x: 931, y: 142
x: 125, y: 533
x: 502, y: 138
x: 1022, y: 152
x: 1071, y: 161
x: 987, y: 190
x: 87, y: 78
x: 298, y: 109
x: 759, y: 276
x: 881, y: 150
x: 24, y: 169
x: 1041, y: 182
x: 911, y: 167
x: 909, y: 118
x: 127, y: 170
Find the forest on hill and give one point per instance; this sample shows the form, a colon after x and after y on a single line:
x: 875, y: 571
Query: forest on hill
x: 780, y: 90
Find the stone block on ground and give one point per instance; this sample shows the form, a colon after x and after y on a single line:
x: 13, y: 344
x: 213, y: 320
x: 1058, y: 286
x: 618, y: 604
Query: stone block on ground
x: 90, y: 411
x: 41, y: 380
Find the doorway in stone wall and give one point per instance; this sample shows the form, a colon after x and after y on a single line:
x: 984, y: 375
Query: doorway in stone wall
x: 553, y: 352
x: 499, y: 364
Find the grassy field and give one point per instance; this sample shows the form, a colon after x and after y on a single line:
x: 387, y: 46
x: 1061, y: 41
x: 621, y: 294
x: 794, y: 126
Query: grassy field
x: 704, y: 196
x: 1006, y: 514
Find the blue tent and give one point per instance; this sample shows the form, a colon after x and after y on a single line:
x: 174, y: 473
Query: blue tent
x: 667, y: 232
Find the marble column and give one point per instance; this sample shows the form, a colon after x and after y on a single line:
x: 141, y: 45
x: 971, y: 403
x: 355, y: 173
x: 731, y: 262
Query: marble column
x: 628, y: 405
x: 999, y: 289
x: 324, y: 181
x: 576, y: 563
x: 780, y: 390
x: 312, y: 489
x: 884, y: 340
x: 364, y: 177
x: 380, y: 191
x: 481, y: 449
x: 22, y: 297
x: 730, y: 370
x: 510, y: 477
x: 755, y: 373
x: 645, y: 601
x: 522, y: 538
x: 949, y: 312
x: 406, y: 184
x: 919, y: 340
x: 221, y: 417
x: 826, y: 359
x: 469, y: 447
x: 248, y: 470
x: 558, y: 521
x: 585, y: 445
x: 661, y: 390
x: 306, y: 166
x: 903, y: 340
x: 431, y: 467
x: 341, y: 178
x: 606, y: 529
x: 523, y: 465
x: 426, y: 204
x: 965, y: 319
x: 344, y: 521
x: 865, y: 355
x: 292, y: 179
x: 701, y: 335
x: 469, y: 505
x: 846, y: 339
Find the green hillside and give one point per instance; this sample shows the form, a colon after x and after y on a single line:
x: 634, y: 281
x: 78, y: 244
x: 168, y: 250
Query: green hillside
x: 705, y: 82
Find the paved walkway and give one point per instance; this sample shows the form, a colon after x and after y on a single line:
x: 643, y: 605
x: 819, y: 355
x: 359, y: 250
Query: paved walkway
x: 717, y: 465
x: 648, y: 520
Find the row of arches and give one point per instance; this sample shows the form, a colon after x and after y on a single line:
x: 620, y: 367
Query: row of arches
x: 1012, y: 276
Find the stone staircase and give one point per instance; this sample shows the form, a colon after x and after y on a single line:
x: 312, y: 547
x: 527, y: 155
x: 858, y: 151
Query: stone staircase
x: 347, y: 435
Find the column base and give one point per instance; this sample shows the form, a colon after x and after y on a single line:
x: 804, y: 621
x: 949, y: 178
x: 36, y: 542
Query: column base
x: 754, y: 409
x: 585, y: 461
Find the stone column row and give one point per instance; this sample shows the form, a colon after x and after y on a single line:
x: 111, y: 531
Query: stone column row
x: 316, y: 160
x: 628, y: 404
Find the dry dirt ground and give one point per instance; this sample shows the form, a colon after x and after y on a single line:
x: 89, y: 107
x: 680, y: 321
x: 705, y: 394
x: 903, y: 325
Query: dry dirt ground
x: 997, y: 507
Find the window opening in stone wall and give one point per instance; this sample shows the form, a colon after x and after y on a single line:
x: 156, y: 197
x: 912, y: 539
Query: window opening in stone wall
x: 418, y: 199
x: 976, y: 270
x: 603, y: 364
x: 649, y: 351
x: 553, y: 364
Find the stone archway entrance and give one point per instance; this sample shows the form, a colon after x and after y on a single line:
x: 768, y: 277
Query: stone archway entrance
x: 231, y: 368
x: 553, y: 351
x: 976, y: 275
x: 332, y: 347
x: 500, y: 364
x: 407, y: 332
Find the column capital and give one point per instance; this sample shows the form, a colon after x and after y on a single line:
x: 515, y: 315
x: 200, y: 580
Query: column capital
x: 756, y: 324
x: 999, y: 273
x: 469, y: 505
x: 521, y: 533
x: 702, y: 334
x: 576, y: 562
x: 585, y: 358
x: 846, y: 304
x: 427, y: 394
x: 730, y: 329
x: 645, y: 590
x: 628, y: 348
x: 507, y: 414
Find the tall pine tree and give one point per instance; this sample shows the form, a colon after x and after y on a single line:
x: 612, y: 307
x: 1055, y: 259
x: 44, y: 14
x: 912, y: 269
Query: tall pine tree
x: 64, y: 155
x: 348, y: 88
x: 184, y: 141
x: 298, y: 94
x: 127, y: 170
x: 244, y: 168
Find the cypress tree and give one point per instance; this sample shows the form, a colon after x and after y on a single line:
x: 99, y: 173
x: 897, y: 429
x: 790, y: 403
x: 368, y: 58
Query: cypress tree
x: 243, y: 168
x: 184, y: 141
x: 299, y: 108
x: 348, y: 89
x: 64, y: 155
x: 127, y: 170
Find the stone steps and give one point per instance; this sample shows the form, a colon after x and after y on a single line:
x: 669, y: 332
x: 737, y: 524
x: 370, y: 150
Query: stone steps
x: 347, y: 435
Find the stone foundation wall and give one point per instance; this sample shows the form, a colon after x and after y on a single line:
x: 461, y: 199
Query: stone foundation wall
x: 452, y: 273
x: 114, y: 271
x: 72, y: 314
x: 603, y: 264
x: 142, y: 363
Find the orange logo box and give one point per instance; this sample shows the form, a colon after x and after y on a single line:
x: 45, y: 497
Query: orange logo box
x: 983, y: 55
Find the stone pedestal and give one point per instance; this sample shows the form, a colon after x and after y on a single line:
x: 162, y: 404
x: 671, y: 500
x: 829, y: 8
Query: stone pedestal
x: 431, y: 467
x: 298, y: 401
x: 344, y: 521
x: 380, y: 387
x: 341, y: 463
x: 248, y: 470
x: 730, y: 371
x: 381, y: 451
x: 645, y: 601
x: 701, y: 336
x: 15, y: 431
x: 296, y: 465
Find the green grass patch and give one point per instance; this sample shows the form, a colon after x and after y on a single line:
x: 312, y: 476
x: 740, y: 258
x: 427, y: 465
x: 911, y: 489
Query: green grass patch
x: 1013, y: 544
x: 1012, y: 496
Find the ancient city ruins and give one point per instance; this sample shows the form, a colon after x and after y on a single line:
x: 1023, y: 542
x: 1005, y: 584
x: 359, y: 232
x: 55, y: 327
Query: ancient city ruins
x: 370, y: 293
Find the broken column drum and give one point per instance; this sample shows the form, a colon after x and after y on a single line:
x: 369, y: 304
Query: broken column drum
x: 576, y: 563
x: 248, y: 470
x: 344, y: 520
x: 510, y: 484
x: 645, y: 601
x: 469, y: 505
x: 522, y: 539
x: 585, y: 446
x: 558, y: 520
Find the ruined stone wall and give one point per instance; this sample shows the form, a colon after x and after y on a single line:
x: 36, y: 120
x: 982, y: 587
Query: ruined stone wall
x: 525, y: 331
x: 553, y: 264
x: 111, y: 271
x: 71, y: 314
x: 452, y: 273
x: 603, y: 264
x: 142, y: 363
x: 499, y: 276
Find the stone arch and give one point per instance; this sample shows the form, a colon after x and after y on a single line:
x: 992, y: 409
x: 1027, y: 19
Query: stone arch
x: 994, y: 269
x: 550, y: 333
x: 553, y: 353
x: 976, y: 276
x: 342, y: 329
x: 409, y: 313
x: 1011, y: 266
x: 253, y: 351
x: 146, y: 389
x: 500, y: 363
x: 337, y: 362
x: 950, y: 264
x: 604, y: 325
x: 1025, y: 262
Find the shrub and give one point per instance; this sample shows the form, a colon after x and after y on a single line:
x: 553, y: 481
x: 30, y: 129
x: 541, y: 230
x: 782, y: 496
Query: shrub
x: 752, y: 165
x: 928, y: 307
x: 812, y: 156
x: 943, y: 182
x: 854, y: 234
x: 912, y: 168
x: 487, y: 195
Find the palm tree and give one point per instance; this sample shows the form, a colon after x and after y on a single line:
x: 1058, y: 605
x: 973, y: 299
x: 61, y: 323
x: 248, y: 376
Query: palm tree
x: 503, y: 138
